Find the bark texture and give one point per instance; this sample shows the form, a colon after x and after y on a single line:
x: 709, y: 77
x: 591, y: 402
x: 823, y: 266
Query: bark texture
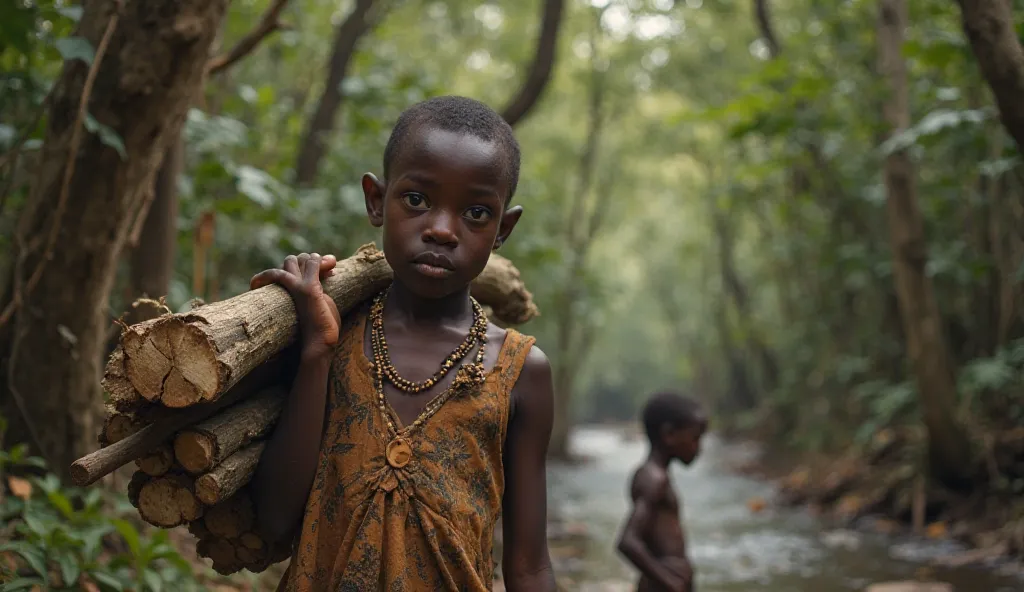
x: 543, y: 64
x: 949, y: 447
x: 53, y: 344
x: 990, y: 28
x: 209, y: 442
x: 229, y: 476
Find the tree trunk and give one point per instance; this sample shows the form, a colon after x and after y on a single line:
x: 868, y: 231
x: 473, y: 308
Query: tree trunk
x: 152, y: 260
x: 543, y: 63
x: 989, y: 25
x: 71, y: 230
x: 582, y: 223
x: 321, y: 124
x: 948, y: 443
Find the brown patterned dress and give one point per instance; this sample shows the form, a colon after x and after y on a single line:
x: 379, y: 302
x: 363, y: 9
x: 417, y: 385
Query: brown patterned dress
x: 425, y: 526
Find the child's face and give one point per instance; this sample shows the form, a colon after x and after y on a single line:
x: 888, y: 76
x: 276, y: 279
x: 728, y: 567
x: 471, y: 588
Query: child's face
x: 684, y: 442
x: 442, y: 209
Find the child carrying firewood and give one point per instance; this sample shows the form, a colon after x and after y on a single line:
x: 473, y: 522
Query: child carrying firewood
x: 414, y: 423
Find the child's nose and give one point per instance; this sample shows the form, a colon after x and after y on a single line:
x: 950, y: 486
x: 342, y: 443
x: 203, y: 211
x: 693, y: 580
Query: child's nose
x: 441, y: 229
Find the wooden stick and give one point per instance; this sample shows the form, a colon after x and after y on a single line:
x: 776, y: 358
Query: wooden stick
x: 91, y: 467
x: 203, y: 446
x: 228, y: 477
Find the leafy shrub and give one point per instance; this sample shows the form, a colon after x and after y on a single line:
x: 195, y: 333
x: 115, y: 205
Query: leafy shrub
x: 69, y: 538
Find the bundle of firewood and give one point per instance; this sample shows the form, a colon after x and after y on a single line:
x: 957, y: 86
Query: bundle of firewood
x: 192, y: 397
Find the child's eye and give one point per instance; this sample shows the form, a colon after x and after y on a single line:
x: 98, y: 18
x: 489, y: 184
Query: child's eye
x: 415, y: 201
x: 478, y: 214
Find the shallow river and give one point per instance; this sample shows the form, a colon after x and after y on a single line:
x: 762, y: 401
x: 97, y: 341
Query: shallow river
x: 732, y: 548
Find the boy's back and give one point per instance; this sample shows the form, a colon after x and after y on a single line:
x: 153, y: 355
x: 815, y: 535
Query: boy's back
x: 651, y: 488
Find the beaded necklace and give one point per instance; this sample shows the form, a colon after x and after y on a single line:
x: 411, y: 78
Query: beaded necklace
x: 399, y: 452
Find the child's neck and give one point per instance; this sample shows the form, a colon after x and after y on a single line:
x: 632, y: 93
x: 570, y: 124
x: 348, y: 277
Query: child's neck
x: 406, y: 307
x: 659, y: 458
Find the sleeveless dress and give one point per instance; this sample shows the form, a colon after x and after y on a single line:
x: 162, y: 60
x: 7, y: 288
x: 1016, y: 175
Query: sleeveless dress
x: 425, y: 526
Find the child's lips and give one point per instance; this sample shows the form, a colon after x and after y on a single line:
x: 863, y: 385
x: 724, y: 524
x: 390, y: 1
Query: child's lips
x: 433, y: 271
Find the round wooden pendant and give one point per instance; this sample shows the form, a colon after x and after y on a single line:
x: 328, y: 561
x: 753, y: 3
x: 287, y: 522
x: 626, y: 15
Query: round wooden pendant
x: 398, y: 453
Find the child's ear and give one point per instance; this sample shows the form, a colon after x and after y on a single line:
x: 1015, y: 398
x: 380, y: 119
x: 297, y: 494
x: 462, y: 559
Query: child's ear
x: 509, y: 219
x: 373, y: 194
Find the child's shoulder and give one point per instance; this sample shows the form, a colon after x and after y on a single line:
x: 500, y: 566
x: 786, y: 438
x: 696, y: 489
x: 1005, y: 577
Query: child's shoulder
x: 649, y: 478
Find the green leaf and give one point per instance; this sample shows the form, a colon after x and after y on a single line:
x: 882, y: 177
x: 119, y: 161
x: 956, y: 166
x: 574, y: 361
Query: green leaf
x: 153, y: 581
x: 33, y: 556
x: 60, y: 501
x: 72, y: 12
x: 254, y: 184
x: 69, y: 569
x: 76, y: 48
x: 24, y: 584
x: 107, y: 580
x: 129, y: 534
x: 107, y: 135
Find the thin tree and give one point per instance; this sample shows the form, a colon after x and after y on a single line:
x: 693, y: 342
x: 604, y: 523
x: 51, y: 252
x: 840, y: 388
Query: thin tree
x: 949, y: 446
x: 321, y: 124
x: 990, y: 28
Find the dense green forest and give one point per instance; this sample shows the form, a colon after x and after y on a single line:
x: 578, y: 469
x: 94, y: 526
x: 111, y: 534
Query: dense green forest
x: 808, y: 215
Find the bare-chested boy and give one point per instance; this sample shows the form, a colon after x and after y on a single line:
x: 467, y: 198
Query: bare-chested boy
x: 653, y: 538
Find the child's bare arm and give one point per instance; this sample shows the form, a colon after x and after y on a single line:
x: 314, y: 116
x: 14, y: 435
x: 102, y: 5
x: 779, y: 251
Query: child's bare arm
x: 526, y: 564
x: 648, y: 491
x: 288, y: 464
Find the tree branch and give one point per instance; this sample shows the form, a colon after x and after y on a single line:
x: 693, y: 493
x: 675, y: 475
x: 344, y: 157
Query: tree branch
x: 321, y: 123
x: 764, y: 24
x: 269, y: 23
x: 543, y: 63
x: 989, y: 26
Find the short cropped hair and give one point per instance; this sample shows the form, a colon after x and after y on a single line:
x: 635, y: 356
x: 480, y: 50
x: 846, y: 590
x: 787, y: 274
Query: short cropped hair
x: 673, y: 409
x: 460, y: 115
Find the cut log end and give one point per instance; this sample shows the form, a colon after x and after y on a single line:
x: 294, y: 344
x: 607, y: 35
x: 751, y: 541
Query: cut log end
x: 158, y: 462
x: 171, y: 361
x: 168, y: 501
x: 222, y: 553
x: 117, y: 427
x: 232, y: 518
x: 195, y: 451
